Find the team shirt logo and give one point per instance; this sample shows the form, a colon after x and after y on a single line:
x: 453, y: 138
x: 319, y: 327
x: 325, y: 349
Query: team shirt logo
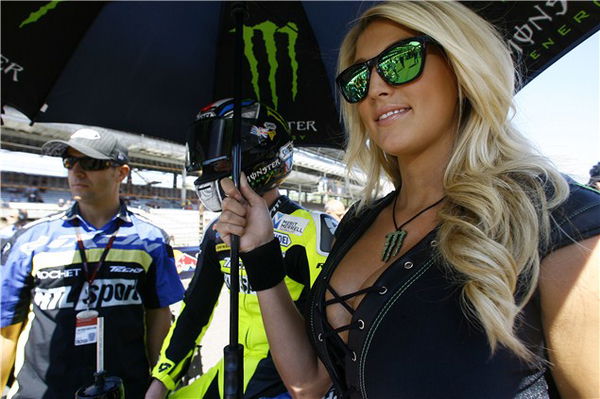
x: 103, y: 293
x: 284, y: 239
x: 290, y: 224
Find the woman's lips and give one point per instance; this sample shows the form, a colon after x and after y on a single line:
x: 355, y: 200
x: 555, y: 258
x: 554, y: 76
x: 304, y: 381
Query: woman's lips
x: 393, y: 114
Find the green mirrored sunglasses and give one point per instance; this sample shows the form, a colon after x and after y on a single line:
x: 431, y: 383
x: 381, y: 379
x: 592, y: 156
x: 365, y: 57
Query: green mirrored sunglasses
x: 400, y: 63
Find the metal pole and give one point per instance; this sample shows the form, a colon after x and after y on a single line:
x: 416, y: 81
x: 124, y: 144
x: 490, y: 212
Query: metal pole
x: 183, y: 191
x: 99, y: 344
x: 234, y: 352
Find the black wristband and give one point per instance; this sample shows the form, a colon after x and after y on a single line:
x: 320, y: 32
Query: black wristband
x: 264, y: 265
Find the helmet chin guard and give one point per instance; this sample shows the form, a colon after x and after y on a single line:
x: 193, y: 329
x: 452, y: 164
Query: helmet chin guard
x: 266, y: 145
x: 211, y: 195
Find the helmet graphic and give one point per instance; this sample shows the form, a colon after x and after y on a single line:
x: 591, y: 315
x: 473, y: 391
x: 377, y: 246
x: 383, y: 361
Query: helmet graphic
x: 266, y: 147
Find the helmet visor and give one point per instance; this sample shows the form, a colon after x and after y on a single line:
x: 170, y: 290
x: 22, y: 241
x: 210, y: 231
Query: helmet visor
x: 209, y: 144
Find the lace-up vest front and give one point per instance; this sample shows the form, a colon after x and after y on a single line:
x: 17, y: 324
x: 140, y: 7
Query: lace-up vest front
x: 409, y: 338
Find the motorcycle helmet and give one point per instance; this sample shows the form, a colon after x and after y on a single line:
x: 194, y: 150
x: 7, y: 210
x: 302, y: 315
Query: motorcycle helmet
x: 266, y: 147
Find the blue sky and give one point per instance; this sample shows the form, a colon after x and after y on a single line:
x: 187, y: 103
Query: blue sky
x: 560, y: 110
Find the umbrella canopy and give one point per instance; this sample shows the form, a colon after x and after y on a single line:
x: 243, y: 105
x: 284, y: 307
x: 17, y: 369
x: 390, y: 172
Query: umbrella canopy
x: 148, y: 67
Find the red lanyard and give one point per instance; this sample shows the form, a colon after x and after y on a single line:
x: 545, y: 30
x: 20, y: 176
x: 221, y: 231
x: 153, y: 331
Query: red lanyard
x: 90, y: 277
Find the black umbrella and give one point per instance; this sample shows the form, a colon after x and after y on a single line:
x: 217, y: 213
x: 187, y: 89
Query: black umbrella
x: 147, y: 67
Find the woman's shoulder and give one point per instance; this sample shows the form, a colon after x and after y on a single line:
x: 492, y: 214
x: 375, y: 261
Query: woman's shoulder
x: 577, y: 218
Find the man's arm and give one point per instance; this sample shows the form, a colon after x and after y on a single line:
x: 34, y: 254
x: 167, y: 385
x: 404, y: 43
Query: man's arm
x: 15, y: 298
x: 192, y: 321
x: 8, y: 349
x: 157, y: 390
x: 158, y: 322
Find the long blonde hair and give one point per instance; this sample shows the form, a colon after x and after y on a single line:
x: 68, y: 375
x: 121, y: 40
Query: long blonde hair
x: 496, y: 184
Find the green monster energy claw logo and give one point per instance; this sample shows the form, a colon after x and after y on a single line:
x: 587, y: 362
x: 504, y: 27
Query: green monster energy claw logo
x: 36, y: 15
x: 268, y: 30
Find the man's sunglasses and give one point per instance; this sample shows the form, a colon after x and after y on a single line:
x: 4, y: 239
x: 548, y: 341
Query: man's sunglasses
x: 400, y: 63
x: 87, y: 163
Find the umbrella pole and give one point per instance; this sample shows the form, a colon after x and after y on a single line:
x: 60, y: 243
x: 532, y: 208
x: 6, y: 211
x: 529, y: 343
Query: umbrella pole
x: 234, y: 352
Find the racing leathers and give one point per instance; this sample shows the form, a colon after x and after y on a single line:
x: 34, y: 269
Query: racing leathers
x: 305, y: 238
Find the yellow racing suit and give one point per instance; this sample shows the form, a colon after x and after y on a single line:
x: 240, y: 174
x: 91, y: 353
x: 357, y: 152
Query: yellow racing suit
x: 305, y: 238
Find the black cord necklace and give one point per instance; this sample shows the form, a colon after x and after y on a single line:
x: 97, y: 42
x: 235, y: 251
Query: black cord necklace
x: 395, y: 239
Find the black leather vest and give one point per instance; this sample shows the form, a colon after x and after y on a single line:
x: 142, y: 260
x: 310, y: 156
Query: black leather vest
x: 411, y: 338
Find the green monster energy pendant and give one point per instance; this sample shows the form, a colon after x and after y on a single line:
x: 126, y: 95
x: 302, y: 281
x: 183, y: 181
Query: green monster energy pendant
x: 393, y: 243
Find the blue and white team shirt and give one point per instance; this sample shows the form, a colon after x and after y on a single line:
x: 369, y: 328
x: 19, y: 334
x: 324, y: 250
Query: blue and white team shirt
x: 43, y: 283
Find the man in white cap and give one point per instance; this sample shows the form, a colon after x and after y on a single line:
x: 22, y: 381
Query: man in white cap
x: 95, y: 259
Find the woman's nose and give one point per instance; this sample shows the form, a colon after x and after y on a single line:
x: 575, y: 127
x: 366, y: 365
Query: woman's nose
x: 377, y: 86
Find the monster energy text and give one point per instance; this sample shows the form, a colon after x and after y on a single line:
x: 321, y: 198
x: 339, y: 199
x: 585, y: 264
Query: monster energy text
x: 264, y: 171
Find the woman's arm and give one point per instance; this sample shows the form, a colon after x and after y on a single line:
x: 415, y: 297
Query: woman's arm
x: 299, y: 367
x: 248, y: 217
x: 570, y: 297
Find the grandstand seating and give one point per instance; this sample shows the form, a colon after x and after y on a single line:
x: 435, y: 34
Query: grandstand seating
x: 183, y: 226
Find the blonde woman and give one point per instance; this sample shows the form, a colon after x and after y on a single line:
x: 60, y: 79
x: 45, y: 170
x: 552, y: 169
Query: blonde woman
x: 478, y: 276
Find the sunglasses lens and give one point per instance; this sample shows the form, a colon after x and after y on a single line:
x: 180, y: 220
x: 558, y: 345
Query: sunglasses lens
x: 93, y: 164
x: 86, y: 163
x: 354, y: 82
x: 402, y: 63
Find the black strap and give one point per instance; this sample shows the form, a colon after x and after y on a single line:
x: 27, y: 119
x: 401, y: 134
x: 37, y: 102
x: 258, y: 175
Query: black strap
x: 264, y: 265
x: 91, y: 276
